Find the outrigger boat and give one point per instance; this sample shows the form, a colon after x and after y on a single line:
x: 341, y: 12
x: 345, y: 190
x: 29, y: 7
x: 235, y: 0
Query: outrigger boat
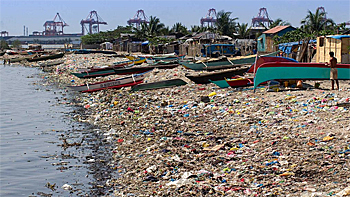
x: 103, y: 71
x: 111, y: 84
x: 136, y: 60
x: 298, y: 71
x: 222, y: 62
x: 265, y: 59
x: 45, y: 57
x: 164, y: 58
x: 239, y: 81
x: 159, y: 84
x: 141, y: 69
x: 204, y: 78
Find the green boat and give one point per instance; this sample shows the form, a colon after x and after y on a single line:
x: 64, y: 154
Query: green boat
x: 221, y: 62
x: 298, y: 71
x: 159, y: 84
x: 220, y: 83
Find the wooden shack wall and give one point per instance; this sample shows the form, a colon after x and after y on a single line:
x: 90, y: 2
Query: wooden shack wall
x: 345, y: 51
x: 338, y: 46
x: 269, y: 44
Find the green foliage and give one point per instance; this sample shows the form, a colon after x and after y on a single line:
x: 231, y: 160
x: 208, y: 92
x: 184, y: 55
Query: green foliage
x: 17, y: 44
x: 4, y: 45
x: 160, y: 40
x: 178, y: 28
x: 315, y: 23
x: 225, y: 24
x: 107, y: 36
x: 198, y: 29
x: 243, y: 31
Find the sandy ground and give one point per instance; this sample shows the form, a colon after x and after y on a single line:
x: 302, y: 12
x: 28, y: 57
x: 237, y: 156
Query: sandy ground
x: 167, y: 142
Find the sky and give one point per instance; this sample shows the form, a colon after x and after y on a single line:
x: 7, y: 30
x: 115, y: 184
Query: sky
x: 14, y: 14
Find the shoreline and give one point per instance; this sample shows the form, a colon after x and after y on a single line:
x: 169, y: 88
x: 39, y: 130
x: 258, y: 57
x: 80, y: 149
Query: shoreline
x: 168, y: 142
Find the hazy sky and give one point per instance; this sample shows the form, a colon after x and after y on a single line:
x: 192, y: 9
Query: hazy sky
x: 14, y: 14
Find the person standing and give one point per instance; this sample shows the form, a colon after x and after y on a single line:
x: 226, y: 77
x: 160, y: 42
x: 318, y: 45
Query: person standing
x: 334, y: 71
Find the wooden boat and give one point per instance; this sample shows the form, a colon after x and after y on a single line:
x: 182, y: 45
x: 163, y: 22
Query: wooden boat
x: 164, y: 58
x: 159, y: 84
x: 103, y: 71
x: 141, y: 69
x: 46, y: 57
x: 221, y: 62
x: 265, y: 59
x: 238, y: 81
x: 220, y: 83
x: 52, y: 63
x: 17, y: 59
x: 298, y: 71
x: 111, y: 84
x: 203, y: 78
x: 136, y: 60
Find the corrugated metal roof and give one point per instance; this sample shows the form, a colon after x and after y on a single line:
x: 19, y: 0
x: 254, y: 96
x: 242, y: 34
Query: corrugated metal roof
x: 276, y: 29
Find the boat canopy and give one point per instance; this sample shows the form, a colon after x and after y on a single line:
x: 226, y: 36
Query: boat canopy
x: 287, y: 47
x: 339, y: 36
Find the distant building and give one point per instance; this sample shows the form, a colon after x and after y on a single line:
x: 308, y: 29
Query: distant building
x: 265, y: 41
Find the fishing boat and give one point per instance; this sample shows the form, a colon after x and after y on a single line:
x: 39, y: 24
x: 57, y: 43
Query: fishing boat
x: 265, y: 59
x: 298, y: 71
x: 45, y: 57
x: 159, y: 84
x: 239, y: 81
x: 164, y: 58
x: 220, y: 83
x: 136, y: 60
x: 203, y: 78
x: 212, y: 63
x: 17, y: 59
x: 141, y: 69
x: 51, y: 63
x: 111, y: 84
x: 102, y: 71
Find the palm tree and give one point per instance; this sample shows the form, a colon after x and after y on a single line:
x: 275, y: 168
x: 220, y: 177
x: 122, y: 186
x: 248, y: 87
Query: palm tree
x: 165, y: 31
x: 243, y: 31
x: 178, y: 28
x: 151, y: 29
x: 278, y: 22
x: 316, y: 22
x: 225, y: 24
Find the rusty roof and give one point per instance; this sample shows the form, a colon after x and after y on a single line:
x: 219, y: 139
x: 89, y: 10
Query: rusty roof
x: 276, y: 29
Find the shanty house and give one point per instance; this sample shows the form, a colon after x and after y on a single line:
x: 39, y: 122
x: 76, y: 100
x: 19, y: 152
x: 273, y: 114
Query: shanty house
x: 339, y: 44
x: 265, y: 41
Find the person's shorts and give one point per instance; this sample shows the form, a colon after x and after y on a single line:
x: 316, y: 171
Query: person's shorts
x: 334, y: 73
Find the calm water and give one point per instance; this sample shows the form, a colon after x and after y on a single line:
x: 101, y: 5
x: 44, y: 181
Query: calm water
x: 33, y: 124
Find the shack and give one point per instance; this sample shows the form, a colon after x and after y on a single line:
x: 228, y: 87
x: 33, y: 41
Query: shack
x: 265, y: 41
x: 193, y: 44
x: 339, y: 44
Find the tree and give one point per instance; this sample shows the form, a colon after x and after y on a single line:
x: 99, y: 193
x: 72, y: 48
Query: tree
x: 225, y: 24
x: 4, y: 45
x: 178, y: 28
x: 17, y: 44
x: 198, y: 29
x: 316, y: 22
x: 243, y: 31
x: 153, y: 28
x: 278, y: 22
